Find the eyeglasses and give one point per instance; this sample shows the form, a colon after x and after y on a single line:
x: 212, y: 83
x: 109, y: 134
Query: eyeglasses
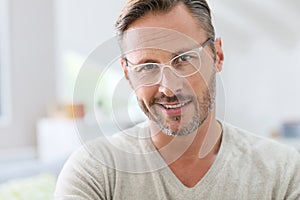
x: 183, y: 65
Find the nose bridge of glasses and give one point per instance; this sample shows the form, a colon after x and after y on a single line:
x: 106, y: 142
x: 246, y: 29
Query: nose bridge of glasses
x: 168, y: 69
x: 169, y: 79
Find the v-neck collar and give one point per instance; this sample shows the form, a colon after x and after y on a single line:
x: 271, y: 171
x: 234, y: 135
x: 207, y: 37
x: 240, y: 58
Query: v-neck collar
x: 210, y: 175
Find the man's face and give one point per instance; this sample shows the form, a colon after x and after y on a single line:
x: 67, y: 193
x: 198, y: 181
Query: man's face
x: 178, y: 105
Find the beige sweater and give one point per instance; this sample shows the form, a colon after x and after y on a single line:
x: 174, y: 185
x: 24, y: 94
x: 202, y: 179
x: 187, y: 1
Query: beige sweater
x: 126, y: 166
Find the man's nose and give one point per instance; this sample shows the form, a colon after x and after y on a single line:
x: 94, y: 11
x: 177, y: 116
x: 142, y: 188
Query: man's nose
x: 170, y: 83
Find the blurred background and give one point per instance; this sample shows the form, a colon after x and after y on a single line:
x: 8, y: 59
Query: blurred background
x: 43, y: 45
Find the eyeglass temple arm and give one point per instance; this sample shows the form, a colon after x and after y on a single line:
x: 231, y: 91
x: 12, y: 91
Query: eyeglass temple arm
x: 126, y: 61
x: 207, y: 41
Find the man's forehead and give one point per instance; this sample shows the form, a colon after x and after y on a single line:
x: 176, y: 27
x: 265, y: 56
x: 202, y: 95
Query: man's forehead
x: 155, y: 38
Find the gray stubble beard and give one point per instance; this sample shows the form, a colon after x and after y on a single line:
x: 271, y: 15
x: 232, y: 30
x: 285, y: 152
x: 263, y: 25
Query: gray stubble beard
x: 206, y: 105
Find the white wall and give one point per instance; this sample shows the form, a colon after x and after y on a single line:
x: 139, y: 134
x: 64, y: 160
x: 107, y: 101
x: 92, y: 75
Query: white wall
x: 261, y: 86
x: 81, y: 26
x: 261, y: 71
x: 32, y: 74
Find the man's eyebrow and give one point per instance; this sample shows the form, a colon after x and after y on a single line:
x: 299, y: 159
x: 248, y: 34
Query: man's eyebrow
x: 142, y: 61
x: 182, y: 50
x: 151, y: 60
x: 147, y: 60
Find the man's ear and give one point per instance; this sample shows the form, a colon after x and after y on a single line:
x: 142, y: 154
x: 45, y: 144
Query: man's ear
x: 219, y: 54
x: 125, y: 71
x: 123, y: 63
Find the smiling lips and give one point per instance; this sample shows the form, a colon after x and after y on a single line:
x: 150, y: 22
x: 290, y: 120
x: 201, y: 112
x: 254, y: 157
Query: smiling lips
x: 174, y: 109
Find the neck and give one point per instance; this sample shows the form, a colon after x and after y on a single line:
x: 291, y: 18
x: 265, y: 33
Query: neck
x: 201, y: 144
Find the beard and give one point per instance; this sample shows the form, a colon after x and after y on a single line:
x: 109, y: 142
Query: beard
x: 187, y: 122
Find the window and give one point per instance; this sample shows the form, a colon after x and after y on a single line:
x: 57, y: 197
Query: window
x: 4, y: 62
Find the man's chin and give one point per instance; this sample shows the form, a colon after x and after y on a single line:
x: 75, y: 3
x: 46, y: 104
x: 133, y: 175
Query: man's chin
x: 175, y: 125
x: 174, y: 128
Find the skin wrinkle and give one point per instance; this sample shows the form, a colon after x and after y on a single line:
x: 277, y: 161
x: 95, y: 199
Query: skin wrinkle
x: 155, y: 38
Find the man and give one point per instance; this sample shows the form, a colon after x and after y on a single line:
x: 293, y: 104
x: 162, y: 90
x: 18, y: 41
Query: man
x: 170, y: 58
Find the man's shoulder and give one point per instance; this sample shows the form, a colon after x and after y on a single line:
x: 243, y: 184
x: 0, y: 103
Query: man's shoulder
x: 134, y: 137
x: 103, y: 146
x: 129, y: 150
x: 247, y: 143
x: 273, y: 165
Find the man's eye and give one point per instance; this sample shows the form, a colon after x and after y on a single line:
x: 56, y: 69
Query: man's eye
x: 146, y: 67
x: 184, y: 58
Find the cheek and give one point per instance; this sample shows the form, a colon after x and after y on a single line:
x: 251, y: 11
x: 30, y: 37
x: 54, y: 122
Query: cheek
x: 145, y: 94
x: 197, y: 83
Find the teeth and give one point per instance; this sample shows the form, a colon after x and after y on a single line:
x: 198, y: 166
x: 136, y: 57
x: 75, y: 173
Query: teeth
x: 174, y: 106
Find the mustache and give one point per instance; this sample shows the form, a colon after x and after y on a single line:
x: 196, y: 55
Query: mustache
x: 175, y: 98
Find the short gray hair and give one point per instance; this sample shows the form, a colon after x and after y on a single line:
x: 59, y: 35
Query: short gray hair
x: 134, y: 9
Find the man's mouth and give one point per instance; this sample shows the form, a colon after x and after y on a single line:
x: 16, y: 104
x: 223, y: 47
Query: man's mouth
x: 174, y: 106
